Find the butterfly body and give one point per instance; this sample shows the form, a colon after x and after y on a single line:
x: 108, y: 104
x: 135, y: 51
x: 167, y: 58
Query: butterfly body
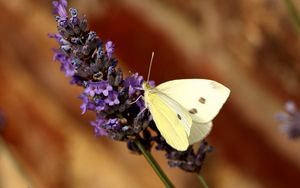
x: 183, y: 109
x: 168, y: 113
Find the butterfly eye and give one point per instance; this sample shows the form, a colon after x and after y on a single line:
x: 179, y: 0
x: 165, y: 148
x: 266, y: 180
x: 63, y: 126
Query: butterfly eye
x: 202, y: 100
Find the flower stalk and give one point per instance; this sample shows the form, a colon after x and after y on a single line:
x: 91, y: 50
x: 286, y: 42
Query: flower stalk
x: 293, y: 13
x: 154, y: 165
x: 202, y: 180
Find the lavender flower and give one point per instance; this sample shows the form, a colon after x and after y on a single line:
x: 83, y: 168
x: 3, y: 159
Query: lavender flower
x: 101, y: 87
x: 99, y: 131
x: 290, y: 120
x: 65, y: 64
x: 86, y: 105
x: 113, y: 124
x: 134, y: 83
x: 190, y: 160
x: 60, y: 8
x: 100, y: 105
x: 109, y: 46
x: 112, y: 98
x: 116, y: 101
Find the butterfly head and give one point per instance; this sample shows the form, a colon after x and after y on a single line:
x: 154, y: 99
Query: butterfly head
x: 146, y: 86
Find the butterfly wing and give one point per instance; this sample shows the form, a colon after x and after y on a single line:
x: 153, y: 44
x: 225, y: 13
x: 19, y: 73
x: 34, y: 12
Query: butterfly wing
x: 202, y: 98
x: 199, y: 131
x: 171, y: 119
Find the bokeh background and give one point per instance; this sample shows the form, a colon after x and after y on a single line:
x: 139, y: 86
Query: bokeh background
x: 251, y: 46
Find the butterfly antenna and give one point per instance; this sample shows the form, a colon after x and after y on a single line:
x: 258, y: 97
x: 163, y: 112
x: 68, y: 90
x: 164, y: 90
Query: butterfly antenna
x: 150, y: 66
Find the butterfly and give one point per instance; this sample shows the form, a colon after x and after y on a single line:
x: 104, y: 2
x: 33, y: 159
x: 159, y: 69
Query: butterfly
x: 183, y: 109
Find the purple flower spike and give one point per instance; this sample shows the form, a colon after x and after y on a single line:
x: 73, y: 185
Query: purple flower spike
x: 113, y: 124
x: 64, y: 3
x: 134, y: 82
x: 57, y: 37
x: 73, y: 18
x: 290, y: 107
x: 97, y: 124
x: 86, y: 105
x: 101, y: 87
x: 290, y: 120
x: 65, y: 63
x: 100, y: 105
x: 104, y: 88
x: 60, y: 8
x: 90, y: 90
x: 112, y: 98
x: 109, y: 46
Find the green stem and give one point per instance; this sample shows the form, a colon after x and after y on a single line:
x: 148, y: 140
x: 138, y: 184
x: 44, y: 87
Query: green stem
x: 154, y: 165
x: 202, y: 180
x: 293, y: 13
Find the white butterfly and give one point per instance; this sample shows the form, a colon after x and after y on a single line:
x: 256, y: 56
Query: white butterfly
x: 183, y: 110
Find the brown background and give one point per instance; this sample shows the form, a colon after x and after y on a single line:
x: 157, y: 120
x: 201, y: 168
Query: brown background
x: 248, y: 45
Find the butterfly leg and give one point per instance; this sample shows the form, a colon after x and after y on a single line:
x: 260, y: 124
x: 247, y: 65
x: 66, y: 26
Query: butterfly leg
x: 142, y: 111
x: 141, y: 121
x: 141, y: 96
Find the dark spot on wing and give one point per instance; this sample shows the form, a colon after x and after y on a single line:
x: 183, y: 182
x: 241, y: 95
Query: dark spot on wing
x: 202, y: 100
x: 215, y: 85
x: 179, y: 117
x: 193, y: 111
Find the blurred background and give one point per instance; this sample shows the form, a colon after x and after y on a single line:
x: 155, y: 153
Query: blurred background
x: 251, y: 46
